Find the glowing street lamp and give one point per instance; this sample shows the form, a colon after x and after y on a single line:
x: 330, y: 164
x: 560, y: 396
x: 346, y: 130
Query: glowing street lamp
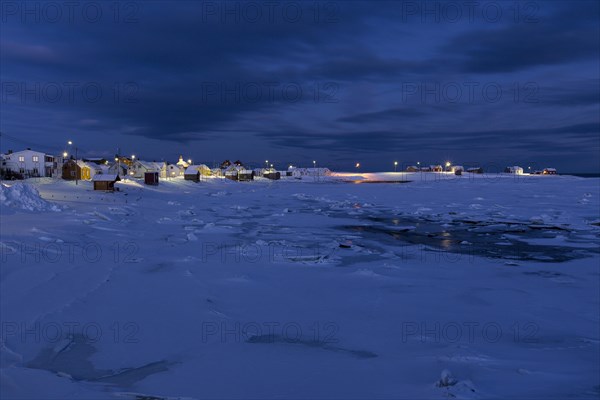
x: 70, y: 143
x: 65, y: 154
x: 395, y: 165
x: 448, y: 164
x: 357, y: 165
x: 189, y: 161
x: 132, y: 157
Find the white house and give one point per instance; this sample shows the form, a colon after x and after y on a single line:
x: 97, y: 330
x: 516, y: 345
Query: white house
x: 514, y: 170
x: 118, y: 168
x: 139, y: 168
x: 174, y: 170
x: 29, y: 163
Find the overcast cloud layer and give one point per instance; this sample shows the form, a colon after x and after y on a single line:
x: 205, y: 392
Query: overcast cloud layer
x: 499, y: 83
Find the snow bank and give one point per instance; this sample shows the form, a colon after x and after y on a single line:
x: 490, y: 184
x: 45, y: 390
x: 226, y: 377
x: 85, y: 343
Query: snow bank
x: 24, y: 197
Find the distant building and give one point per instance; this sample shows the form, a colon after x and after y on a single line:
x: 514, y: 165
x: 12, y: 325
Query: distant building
x: 174, y: 170
x: 139, y: 168
x: 457, y: 168
x: 118, y: 168
x: 412, y: 168
x: 514, y: 170
x: 436, y: 168
x: 225, y: 164
x: 182, y: 164
x: 238, y: 173
x: 549, y: 171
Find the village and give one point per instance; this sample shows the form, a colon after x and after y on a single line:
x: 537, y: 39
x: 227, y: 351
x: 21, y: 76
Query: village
x: 104, y: 173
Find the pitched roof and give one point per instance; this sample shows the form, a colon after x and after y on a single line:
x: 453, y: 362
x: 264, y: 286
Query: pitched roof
x: 105, y: 178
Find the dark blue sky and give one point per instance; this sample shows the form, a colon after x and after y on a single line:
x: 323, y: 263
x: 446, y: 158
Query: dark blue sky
x: 489, y: 83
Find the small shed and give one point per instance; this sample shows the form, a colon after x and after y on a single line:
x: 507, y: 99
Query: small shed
x: 105, y: 182
x: 274, y: 175
x: 151, y: 178
x: 192, y: 174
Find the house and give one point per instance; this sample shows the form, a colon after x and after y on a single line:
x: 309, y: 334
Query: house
x: 549, y: 171
x: 71, y: 170
x: 514, y: 170
x: 412, y: 168
x: 79, y: 170
x: 273, y: 175
x: 151, y: 178
x: 139, y: 168
x: 118, y: 168
x: 239, y: 173
x: 225, y: 164
x: 124, y: 160
x: 475, y: 170
x: 105, y: 182
x: 457, y: 169
x: 204, y: 170
x: 174, y: 170
x: 192, y: 173
x: 436, y: 168
x: 29, y: 163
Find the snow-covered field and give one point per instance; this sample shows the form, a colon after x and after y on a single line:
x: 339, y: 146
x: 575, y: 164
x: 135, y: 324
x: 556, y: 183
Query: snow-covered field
x: 468, y: 287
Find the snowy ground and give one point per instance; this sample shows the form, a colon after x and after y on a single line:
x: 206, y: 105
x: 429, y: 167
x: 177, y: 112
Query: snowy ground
x: 472, y: 286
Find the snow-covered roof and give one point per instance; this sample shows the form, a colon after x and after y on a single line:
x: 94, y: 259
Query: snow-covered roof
x: 105, y: 178
x: 239, y: 170
x: 191, y: 170
x: 149, y: 165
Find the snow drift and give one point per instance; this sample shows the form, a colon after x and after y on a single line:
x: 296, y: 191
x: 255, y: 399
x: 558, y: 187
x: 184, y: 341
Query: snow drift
x: 24, y: 197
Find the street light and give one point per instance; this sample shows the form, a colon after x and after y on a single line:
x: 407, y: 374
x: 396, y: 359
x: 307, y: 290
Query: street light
x: 189, y: 161
x: 448, y: 164
x: 357, y: 165
x: 70, y: 143
x: 65, y: 154
x: 132, y: 157
x: 395, y: 166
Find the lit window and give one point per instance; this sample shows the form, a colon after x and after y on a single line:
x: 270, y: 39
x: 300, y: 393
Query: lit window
x: 36, y: 159
x: 21, y: 158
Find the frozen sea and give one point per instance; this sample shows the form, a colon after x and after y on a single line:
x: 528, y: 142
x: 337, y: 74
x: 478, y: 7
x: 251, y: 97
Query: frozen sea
x: 468, y: 287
